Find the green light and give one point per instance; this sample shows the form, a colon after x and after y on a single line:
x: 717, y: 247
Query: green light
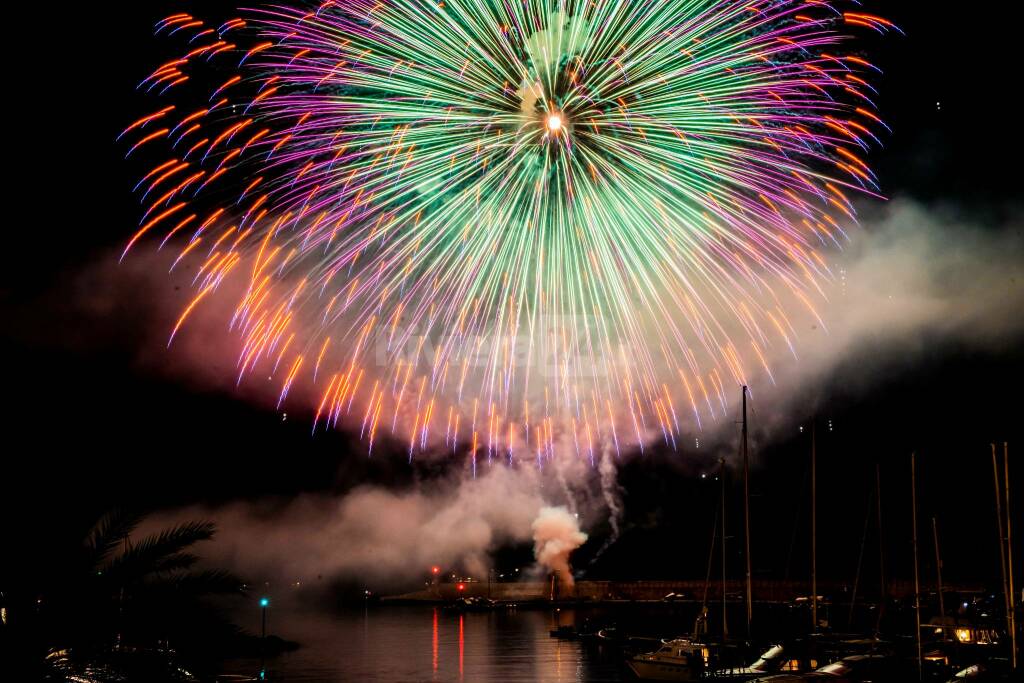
x: 264, y: 602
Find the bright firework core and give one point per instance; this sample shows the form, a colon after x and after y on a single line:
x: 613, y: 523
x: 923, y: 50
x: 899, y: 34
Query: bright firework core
x: 554, y: 123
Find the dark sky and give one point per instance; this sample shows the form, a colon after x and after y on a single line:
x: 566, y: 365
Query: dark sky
x: 87, y: 429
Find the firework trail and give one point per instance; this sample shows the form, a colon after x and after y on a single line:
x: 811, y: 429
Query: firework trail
x: 509, y: 226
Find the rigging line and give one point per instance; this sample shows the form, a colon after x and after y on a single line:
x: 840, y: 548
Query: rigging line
x: 860, y: 556
x: 796, y: 521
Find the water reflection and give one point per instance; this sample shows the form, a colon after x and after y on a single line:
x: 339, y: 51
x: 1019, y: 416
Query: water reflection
x: 432, y: 644
x: 435, y: 641
x: 462, y: 645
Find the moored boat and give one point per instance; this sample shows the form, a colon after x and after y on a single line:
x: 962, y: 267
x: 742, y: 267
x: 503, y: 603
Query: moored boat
x: 774, y: 660
x: 680, y: 659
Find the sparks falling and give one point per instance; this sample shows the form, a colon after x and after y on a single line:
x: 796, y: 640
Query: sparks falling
x: 509, y: 227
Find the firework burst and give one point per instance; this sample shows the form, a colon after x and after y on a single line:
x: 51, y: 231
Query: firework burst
x: 507, y: 225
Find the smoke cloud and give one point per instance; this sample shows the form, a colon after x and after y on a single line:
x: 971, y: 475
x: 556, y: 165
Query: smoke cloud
x: 910, y: 280
x: 392, y: 537
x: 556, y: 533
x: 610, y: 492
x: 376, y: 534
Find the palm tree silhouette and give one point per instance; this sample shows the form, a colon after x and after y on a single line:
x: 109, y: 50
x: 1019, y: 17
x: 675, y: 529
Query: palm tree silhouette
x: 126, y: 600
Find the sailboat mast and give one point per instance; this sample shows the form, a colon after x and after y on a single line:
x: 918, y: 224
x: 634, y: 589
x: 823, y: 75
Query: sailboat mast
x: 746, y: 514
x: 938, y: 570
x: 1002, y: 540
x: 1009, y: 557
x: 917, y: 583
x: 725, y: 619
x: 700, y: 626
x: 860, y: 558
x: 883, y: 587
x: 814, y: 524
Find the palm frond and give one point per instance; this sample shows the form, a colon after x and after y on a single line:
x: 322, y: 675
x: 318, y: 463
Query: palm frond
x: 147, y: 555
x: 175, y: 562
x: 108, y: 532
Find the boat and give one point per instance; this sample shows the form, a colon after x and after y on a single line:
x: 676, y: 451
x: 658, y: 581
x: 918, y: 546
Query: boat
x: 564, y: 632
x: 981, y: 673
x: 613, y: 636
x: 680, y: 659
x: 472, y: 604
x: 773, y: 660
x: 851, y: 669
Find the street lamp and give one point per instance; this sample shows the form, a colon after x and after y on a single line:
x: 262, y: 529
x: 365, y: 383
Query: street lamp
x: 264, y: 604
x: 436, y: 580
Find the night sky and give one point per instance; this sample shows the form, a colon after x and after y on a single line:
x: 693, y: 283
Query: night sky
x: 89, y: 426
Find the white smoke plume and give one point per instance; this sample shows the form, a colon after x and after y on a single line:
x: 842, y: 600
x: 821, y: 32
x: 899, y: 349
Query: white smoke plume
x: 375, y: 534
x: 611, y: 493
x: 909, y: 279
x: 556, y: 533
x: 393, y: 537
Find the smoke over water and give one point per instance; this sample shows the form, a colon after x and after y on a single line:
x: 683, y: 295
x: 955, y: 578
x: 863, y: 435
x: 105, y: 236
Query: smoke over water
x: 556, y: 533
x: 375, y: 534
x: 380, y: 536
